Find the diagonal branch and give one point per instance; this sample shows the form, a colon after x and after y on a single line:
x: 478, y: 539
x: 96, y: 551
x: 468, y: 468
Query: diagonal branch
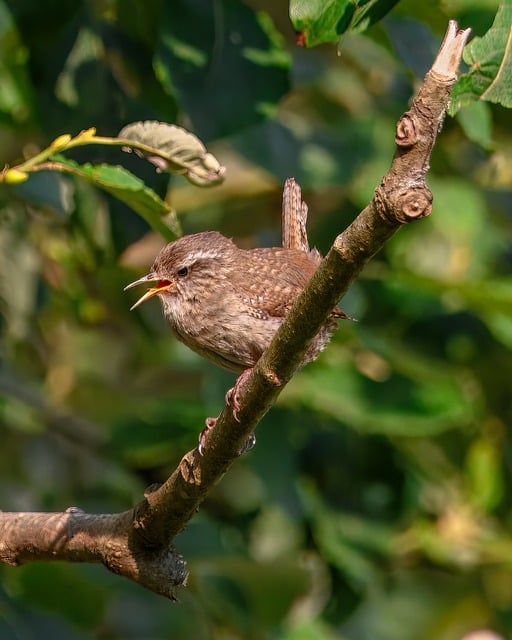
x: 140, y: 539
x: 401, y: 197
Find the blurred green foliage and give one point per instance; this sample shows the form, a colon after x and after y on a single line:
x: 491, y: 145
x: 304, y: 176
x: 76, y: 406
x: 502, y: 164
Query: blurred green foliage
x: 376, y: 504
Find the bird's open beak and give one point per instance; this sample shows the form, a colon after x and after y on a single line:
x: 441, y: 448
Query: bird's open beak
x: 160, y: 286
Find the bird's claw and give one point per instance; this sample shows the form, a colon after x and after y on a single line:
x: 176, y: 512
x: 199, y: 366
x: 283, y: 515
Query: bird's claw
x: 232, y: 396
x: 232, y: 399
x: 209, y: 425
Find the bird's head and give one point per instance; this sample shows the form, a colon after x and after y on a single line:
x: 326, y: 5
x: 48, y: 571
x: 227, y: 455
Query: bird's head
x: 187, y: 267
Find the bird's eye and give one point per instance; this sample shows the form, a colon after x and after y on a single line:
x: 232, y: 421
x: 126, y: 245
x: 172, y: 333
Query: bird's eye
x: 182, y: 272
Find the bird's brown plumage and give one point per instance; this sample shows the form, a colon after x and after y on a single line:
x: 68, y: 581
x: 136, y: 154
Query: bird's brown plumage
x: 227, y: 303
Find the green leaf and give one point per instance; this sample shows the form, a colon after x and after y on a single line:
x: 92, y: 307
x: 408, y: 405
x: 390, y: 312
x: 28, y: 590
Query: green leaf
x: 318, y: 21
x: 126, y: 187
x: 174, y: 149
x: 490, y: 61
x: 476, y: 121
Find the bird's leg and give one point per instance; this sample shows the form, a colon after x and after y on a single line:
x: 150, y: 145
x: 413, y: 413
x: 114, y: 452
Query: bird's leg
x: 209, y: 425
x: 232, y: 399
x: 233, y: 395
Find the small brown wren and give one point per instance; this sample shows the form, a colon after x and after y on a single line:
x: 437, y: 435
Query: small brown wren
x: 226, y: 303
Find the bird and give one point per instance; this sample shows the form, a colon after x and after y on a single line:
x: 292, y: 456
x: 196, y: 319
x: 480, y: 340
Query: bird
x: 226, y: 303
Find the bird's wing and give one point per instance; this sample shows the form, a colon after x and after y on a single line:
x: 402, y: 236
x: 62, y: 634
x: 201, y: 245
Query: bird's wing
x: 274, y: 280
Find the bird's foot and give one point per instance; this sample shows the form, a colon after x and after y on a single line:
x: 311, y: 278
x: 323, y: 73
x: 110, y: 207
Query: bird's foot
x: 232, y: 399
x: 232, y: 396
x: 209, y: 425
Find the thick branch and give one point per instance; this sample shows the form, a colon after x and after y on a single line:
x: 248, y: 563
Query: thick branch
x: 75, y: 536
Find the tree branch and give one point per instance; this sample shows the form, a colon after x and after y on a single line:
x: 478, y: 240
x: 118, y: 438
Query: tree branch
x: 137, y: 543
x: 109, y: 539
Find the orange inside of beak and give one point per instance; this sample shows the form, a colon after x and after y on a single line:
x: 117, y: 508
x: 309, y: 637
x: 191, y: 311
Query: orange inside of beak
x: 161, y: 285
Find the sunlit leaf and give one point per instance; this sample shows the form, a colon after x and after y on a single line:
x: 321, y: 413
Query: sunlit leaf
x: 173, y: 149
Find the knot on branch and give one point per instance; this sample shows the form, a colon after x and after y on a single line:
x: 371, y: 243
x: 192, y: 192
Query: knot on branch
x: 160, y: 570
x: 271, y: 378
x: 403, y: 206
x: 414, y: 203
x: 406, y: 131
x: 152, y: 488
